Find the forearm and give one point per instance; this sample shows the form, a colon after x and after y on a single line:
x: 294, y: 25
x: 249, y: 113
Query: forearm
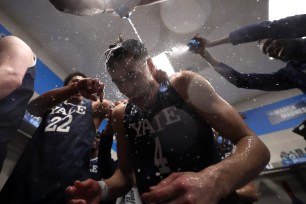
x: 207, y: 56
x: 48, y: 100
x: 290, y: 27
x: 247, y: 161
x: 221, y: 41
x: 119, y: 184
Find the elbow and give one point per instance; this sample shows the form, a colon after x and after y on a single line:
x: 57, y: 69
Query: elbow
x: 267, y: 156
x: 263, y: 154
x: 14, y: 79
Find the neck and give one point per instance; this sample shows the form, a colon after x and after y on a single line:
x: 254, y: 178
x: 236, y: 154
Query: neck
x: 153, y: 98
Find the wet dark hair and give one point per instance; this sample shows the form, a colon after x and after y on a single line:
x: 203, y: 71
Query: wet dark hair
x: 73, y: 74
x: 122, y: 49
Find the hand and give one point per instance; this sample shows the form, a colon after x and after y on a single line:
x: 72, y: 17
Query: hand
x: 90, y: 88
x: 160, y: 76
x: 283, y: 49
x: 203, y: 44
x: 85, y: 192
x: 186, y: 187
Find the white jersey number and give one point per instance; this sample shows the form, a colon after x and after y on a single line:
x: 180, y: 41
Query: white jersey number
x: 59, y: 124
x: 159, y: 160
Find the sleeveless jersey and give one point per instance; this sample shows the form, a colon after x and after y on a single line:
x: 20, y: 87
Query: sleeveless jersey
x: 169, y: 137
x: 57, y: 156
x: 13, y: 107
x: 94, y: 169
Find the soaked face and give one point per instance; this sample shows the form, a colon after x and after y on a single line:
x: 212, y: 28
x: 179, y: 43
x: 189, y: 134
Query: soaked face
x: 287, y: 49
x: 78, y: 97
x: 135, y: 80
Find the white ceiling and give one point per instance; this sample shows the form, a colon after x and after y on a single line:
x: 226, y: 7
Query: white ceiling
x: 78, y: 42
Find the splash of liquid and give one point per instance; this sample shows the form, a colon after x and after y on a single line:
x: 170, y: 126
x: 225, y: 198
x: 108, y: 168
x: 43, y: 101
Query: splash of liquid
x: 134, y: 28
x: 178, y: 50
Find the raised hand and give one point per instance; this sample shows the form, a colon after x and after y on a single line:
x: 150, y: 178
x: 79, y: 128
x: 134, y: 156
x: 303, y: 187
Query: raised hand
x: 90, y: 88
x: 203, y: 43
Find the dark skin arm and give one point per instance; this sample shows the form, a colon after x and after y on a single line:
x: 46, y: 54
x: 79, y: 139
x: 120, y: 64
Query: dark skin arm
x: 87, y: 87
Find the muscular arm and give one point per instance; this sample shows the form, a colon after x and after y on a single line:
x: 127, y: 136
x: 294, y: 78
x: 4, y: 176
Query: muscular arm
x: 276, y: 81
x: 87, y: 87
x: 266, y: 82
x: 123, y: 179
x: 46, y: 101
x: 15, y: 58
x: 290, y: 27
x: 101, y: 110
x: 250, y: 155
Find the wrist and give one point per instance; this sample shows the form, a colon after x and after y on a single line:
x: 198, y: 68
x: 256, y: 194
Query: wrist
x: 216, y: 179
x: 74, y: 88
x: 104, y: 190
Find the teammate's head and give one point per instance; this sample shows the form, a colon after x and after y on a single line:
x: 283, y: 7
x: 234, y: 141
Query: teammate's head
x: 72, y: 75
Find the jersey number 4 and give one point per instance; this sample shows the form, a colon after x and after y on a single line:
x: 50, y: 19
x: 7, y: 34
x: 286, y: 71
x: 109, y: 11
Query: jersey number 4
x: 59, y: 124
x: 159, y: 160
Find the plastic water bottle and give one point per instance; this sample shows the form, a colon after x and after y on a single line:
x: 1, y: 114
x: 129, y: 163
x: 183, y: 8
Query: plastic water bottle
x: 193, y: 44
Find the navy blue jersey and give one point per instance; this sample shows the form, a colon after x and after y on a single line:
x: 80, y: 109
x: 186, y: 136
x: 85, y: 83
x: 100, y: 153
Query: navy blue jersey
x: 57, y: 155
x: 13, y: 107
x: 94, y: 169
x: 170, y: 137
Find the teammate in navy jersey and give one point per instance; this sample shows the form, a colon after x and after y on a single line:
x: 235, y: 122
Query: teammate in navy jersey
x: 165, y: 140
x: 94, y: 158
x: 59, y: 151
x: 17, y: 73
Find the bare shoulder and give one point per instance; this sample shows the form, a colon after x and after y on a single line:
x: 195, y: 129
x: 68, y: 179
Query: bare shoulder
x: 185, y: 81
x: 16, y: 47
x: 13, y: 40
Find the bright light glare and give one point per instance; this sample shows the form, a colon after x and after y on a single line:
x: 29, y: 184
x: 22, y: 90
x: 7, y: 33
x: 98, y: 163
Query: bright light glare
x: 282, y: 8
x: 162, y: 62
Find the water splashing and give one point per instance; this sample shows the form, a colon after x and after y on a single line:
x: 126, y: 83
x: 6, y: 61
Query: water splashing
x: 134, y: 28
x: 178, y: 50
